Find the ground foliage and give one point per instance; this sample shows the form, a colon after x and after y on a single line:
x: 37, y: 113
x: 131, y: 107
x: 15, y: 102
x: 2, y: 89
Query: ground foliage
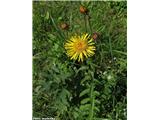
x: 69, y: 90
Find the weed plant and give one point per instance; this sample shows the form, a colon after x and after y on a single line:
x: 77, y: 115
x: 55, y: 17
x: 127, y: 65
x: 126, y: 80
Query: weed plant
x: 66, y: 89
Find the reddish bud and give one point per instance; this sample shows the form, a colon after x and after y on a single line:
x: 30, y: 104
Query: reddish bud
x: 83, y: 10
x: 95, y: 36
x: 64, y: 26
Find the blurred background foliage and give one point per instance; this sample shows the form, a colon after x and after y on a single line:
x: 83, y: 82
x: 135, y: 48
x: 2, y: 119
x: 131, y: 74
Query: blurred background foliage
x: 68, y: 90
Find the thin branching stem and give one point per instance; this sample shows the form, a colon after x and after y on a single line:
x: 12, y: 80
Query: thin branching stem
x: 85, y: 23
x: 89, y: 23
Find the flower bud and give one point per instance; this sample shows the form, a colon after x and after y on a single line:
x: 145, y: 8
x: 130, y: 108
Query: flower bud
x: 83, y: 10
x: 64, y: 26
x: 95, y: 36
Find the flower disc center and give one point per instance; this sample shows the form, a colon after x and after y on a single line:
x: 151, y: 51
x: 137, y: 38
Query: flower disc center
x: 81, y: 46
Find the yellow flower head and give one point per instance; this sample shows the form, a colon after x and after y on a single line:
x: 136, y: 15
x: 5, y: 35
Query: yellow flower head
x: 79, y: 47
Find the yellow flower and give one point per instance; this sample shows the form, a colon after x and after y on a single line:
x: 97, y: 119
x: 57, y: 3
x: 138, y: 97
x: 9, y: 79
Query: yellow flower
x: 79, y: 47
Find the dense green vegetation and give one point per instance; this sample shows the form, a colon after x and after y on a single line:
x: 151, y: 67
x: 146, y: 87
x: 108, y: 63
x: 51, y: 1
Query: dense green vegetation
x: 69, y: 90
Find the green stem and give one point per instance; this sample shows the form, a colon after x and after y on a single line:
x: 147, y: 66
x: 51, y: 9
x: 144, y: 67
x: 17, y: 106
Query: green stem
x: 58, y: 31
x: 110, y: 47
x: 89, y: 23
x: 110, y: 44
x: 92, y: 101
x: 120, y: 52
x: 101, y: 49
x: 85, y: 23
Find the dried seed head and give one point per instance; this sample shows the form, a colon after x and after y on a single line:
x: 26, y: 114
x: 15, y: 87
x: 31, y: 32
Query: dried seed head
x: 64, y: 26
x: 83, y: 10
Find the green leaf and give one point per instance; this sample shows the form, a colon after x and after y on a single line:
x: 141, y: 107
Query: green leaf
x: 47, y: 15
x: 52, y: 37
x: 91, y: 73
x: 37, y: 89
x: 56, y: 47
x: 59, y: 18
x: 97, y: 81
x: 97, y: 101
x: 96, y: 109
x: 84, y: 92
x: 85, y: 107
x: 86, y: 100
x: 87, y: 77
x: 96, y: 93
x: 56, y: 79
x: 81, y: 69
x: 120, y: 52
x: 56, y: 69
